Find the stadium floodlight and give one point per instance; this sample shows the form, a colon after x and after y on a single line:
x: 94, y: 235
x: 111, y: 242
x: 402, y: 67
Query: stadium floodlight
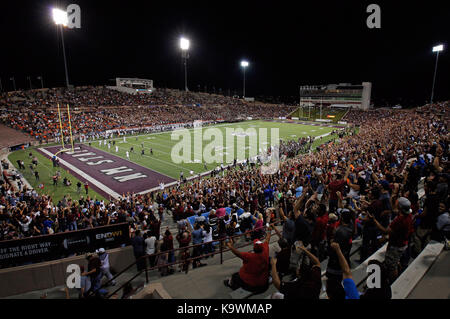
x: 437, y: 49
x: 60, y: 19
x: 244, y: 65
x: 184, y: 46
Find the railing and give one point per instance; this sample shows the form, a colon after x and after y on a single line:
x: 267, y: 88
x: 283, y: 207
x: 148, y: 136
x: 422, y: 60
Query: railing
x: 182, y: 261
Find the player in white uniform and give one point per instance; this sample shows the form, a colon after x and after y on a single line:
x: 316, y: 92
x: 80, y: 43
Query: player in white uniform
x: 128, y: 155
x: 117, y: 149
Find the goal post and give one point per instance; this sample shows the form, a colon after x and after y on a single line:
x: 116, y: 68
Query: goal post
x: 64, y: 149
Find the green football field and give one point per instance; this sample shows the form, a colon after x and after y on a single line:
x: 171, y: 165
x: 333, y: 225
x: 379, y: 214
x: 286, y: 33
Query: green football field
x: 163, y: 145
x: 46, y: 172
x: 161, y: 160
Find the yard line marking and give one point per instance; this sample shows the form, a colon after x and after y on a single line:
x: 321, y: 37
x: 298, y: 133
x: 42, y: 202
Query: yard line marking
x: 165, y: 162
x: 83, y: 174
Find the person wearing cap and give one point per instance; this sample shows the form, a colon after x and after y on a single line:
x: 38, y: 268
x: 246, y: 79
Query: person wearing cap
x: 254, y: 273
x: 105, y: 267
x: 399, y: 231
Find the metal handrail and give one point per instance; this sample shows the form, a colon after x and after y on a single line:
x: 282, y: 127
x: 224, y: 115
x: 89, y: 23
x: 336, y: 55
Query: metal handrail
x: 221, y: 251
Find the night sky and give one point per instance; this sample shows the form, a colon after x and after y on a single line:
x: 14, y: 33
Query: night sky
x: 288, y: 44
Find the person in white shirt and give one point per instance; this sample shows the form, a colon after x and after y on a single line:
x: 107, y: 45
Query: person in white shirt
x: 207, y: 239
x: 25, y: 224
x: 117, y: 149
x: 150, y: 247
x: 128, y: 155
x: 105, y: 267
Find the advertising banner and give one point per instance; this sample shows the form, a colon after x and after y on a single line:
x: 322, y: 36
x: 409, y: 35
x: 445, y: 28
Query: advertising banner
x: 60, y: 245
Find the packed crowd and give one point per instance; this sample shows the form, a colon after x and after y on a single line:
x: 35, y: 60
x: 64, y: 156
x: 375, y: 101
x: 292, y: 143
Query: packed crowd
x: 360, y: 185
x: 96, y: 110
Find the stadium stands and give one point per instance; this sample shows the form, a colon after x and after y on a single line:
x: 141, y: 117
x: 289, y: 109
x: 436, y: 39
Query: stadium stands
x: 363, y: 185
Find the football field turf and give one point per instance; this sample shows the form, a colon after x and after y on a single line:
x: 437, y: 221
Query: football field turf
x: 111, y: 173
x: 162, y: 146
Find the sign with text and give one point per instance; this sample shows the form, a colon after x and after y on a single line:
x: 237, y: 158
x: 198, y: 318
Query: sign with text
x: 60, y: 245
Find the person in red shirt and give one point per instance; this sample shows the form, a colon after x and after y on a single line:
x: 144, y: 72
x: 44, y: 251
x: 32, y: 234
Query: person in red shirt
x: 337, y: 185
x: 254, y: 273
x: 184, y: 239
x: 319, y: 233
x: 399, y: 231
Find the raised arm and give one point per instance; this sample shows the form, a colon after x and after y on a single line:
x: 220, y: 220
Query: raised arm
x: 275, y: 278
x: 236, y: 252
x: 311, y: 256
x: 346, y: 272
x: 269, y: 234
x: 282, y: 215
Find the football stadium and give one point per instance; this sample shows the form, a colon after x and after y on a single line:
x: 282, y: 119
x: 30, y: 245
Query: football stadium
x: 152, y: 186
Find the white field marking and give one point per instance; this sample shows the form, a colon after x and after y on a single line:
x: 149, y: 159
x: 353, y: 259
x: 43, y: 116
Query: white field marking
x: 84, y: 175
x: 293, y: 135
x: 111, y: 153
x: 165, y: 132
x: 171, y: 145
x: 188, y: 179
x: 165, y: 162
x: 72, y: 186
x: 197, y: 153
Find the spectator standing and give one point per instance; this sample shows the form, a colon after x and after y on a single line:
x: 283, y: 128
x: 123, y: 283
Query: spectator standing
x: 138, y: 249
x: 105, y: 266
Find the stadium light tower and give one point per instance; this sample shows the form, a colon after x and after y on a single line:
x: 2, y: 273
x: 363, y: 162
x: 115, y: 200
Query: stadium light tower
x: 184, y: 46
x: 61, y: 20
x: 437, y: 49
x: 244, y: 65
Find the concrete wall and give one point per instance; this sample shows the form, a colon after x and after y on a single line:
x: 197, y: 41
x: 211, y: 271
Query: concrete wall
x: 17, y: 280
